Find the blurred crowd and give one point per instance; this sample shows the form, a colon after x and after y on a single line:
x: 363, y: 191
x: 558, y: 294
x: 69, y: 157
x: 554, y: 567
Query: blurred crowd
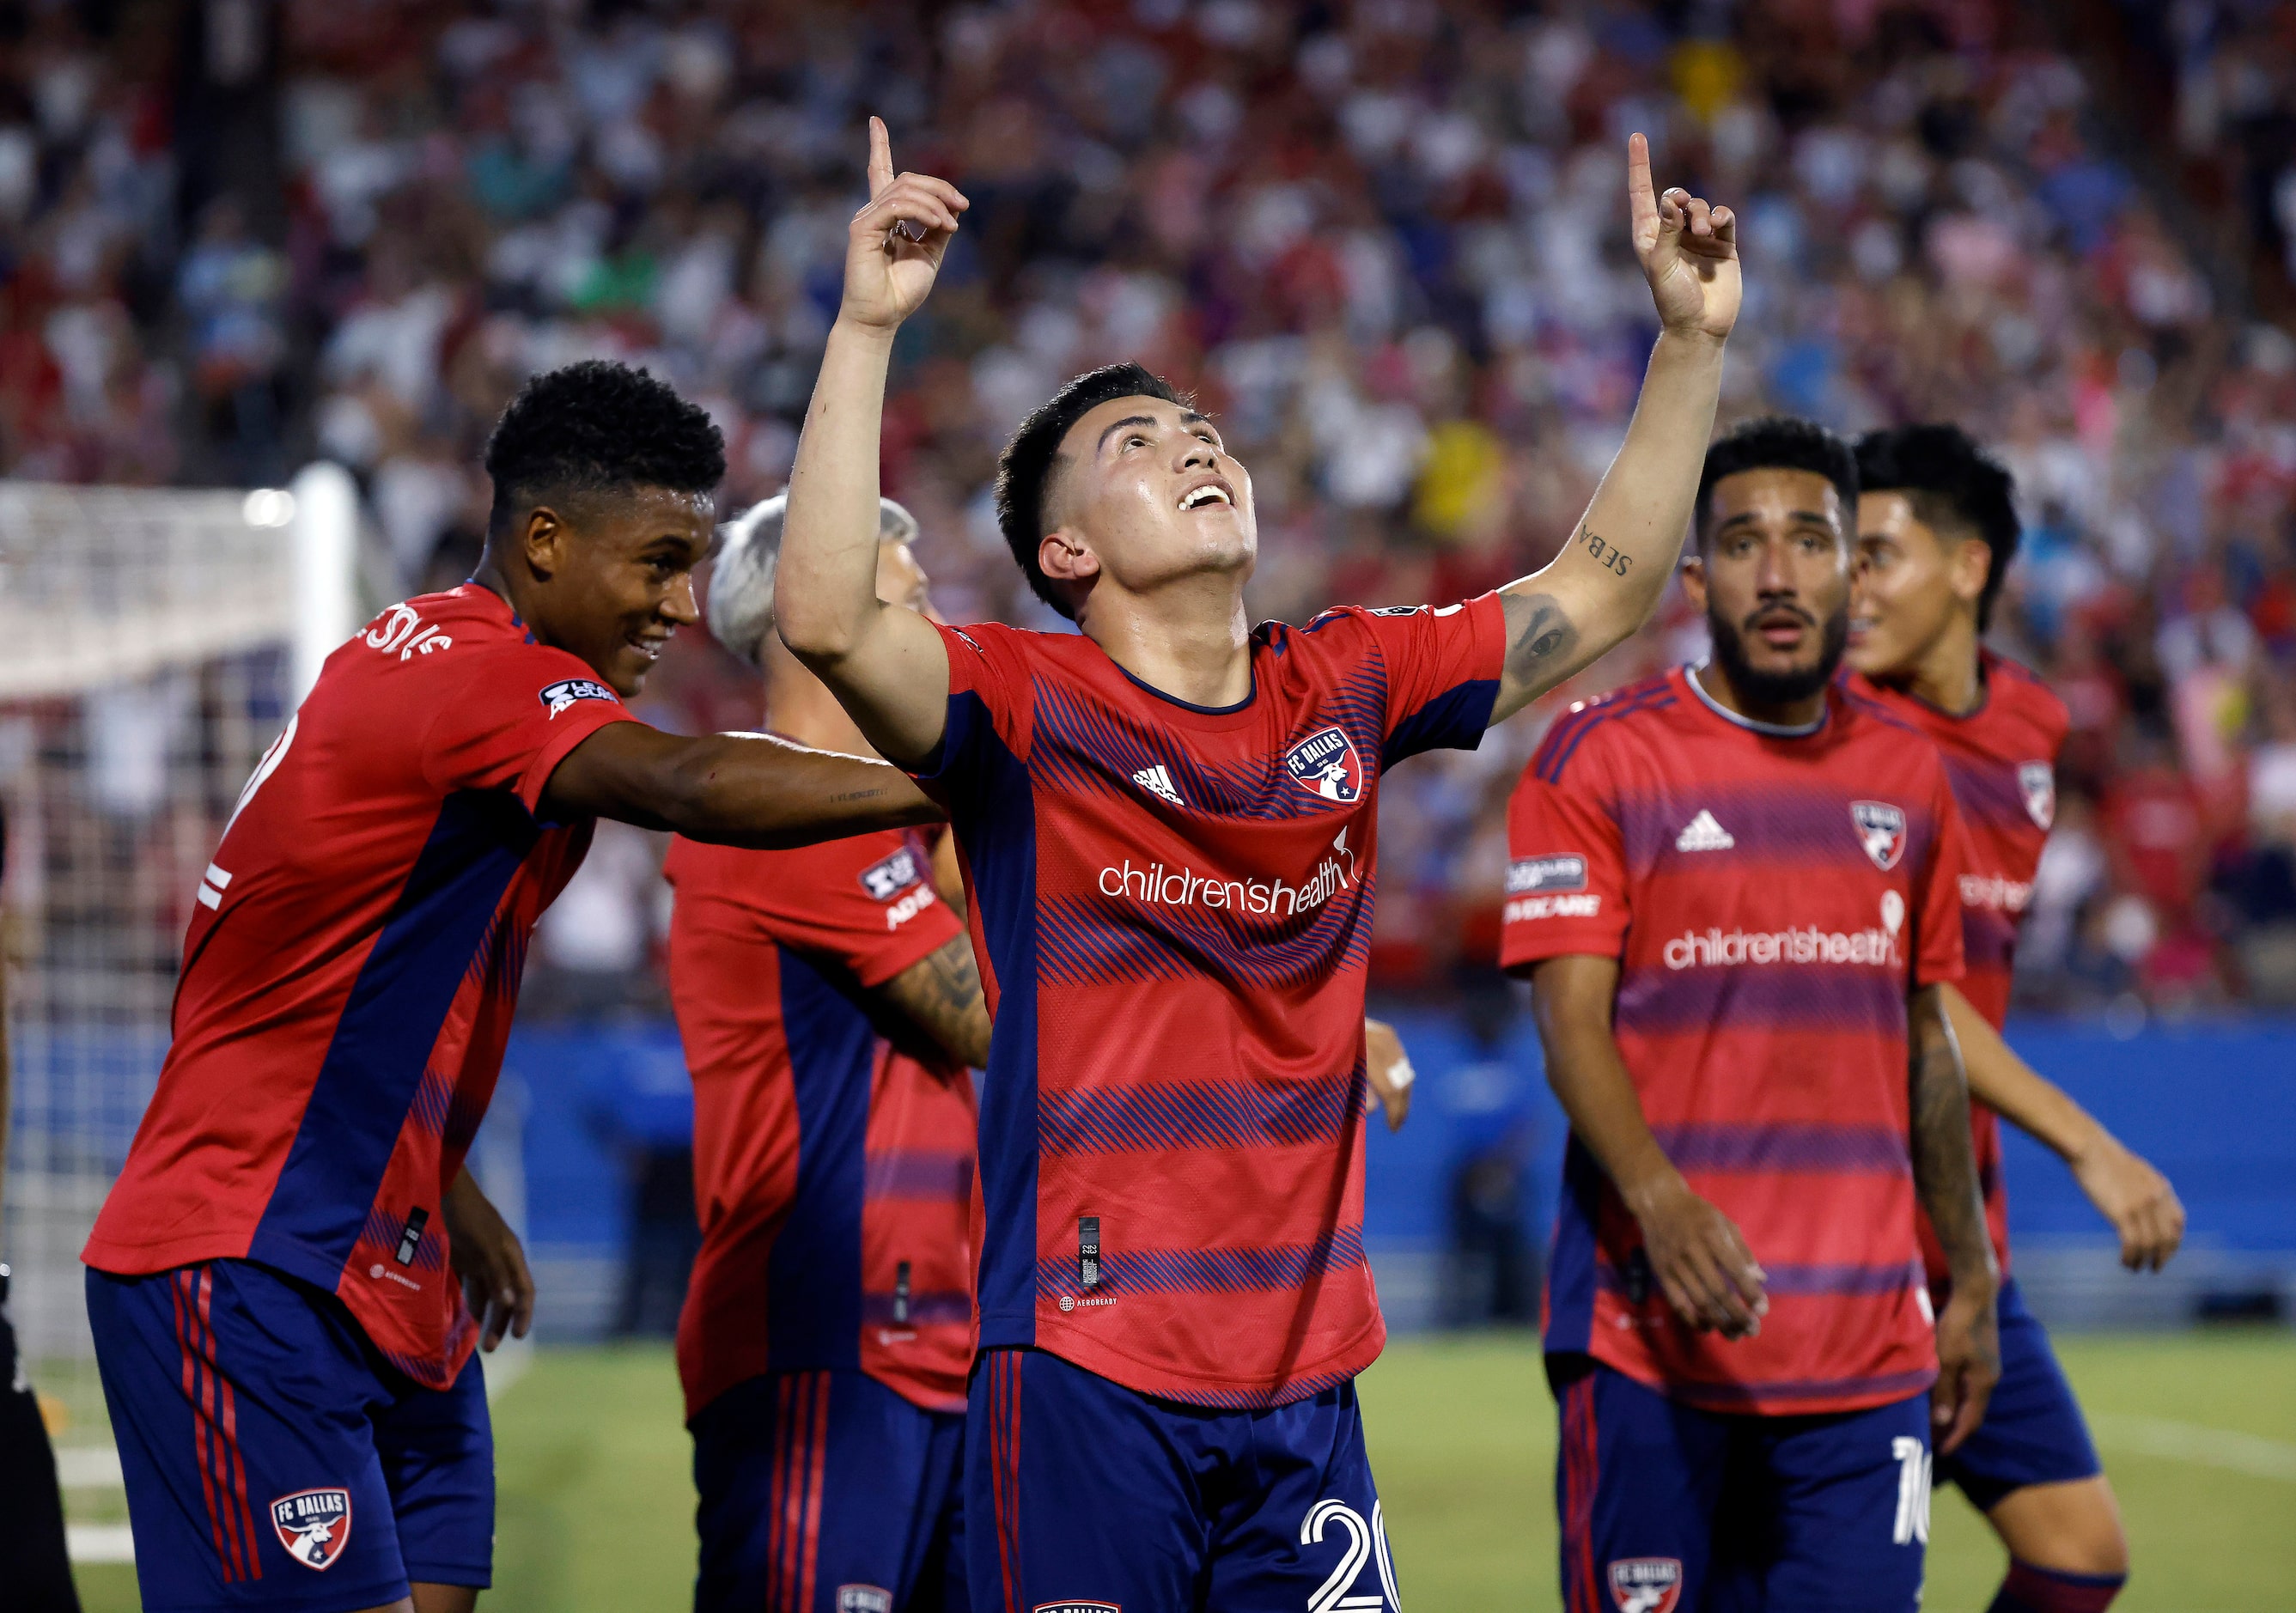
x: 1384, y: 241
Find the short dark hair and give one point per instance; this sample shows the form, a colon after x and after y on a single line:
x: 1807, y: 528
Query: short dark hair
x: 593, y: 427
x: 1025, y: 469
x: 1779, y: 442
x: 1951, y: 483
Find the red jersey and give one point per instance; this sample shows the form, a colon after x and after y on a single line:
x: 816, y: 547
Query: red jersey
x: 2001, y: 760
x: 350, y: 973
x: 1772, y: 895
x: 833, y: 1171
x: 1172, y: 908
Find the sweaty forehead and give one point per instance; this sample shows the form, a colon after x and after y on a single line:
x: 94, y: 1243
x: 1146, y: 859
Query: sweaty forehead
x: 632, y: 517
x: 1084, y: 437
x: 1775, y: 492
x: 1890, y: 514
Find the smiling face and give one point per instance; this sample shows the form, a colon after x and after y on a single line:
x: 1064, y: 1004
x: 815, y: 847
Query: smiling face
x: 1772, y: 576
x: 613, y: 575
x: 1143, y: 493
x: 1913, y: 581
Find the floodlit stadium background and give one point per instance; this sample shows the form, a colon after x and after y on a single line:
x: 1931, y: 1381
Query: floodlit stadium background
x: 1385, y: 242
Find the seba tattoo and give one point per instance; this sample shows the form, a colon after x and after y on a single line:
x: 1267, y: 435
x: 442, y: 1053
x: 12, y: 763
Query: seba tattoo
x: 1612, y: 557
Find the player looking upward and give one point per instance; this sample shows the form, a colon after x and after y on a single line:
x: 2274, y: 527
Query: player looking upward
x: 285, y: 1348
x: 1937, y: 530
x: 1168, y: 824
x: 831, y: 1011
x: 1734, y: 889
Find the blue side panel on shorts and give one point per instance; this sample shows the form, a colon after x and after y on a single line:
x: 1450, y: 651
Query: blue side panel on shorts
x: 2033, y: 1432
x: 995, y: 822
x: 374, y: 1064
x: 813, y: 1277
x: 1570, y: 1264
x: 826, y: 1492
x: 1081, y: 1491
x: 271, y: 1460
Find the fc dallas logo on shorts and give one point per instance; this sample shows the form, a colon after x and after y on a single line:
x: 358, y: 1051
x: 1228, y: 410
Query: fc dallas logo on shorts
x: 1325, y: 762
x: 1646, y: 1584
x: 1880, y: 830
x: 314, y: 1525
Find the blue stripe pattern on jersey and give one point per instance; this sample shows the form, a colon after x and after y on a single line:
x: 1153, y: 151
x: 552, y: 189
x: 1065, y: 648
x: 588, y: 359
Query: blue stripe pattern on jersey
x: 1846, y: 997
x: 390, y: 1021
x: 1268, y: 1268
x: 1563, y: 738
x: 1211, y: 1114
x: 1079, y: 944
x: 813, y: 1290
x: 1793, y: 1147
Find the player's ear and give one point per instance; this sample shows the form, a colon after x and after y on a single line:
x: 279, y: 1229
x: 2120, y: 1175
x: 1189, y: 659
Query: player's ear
x: 1060, y: 555
x: 542, y: 539
x: 1694, y: 581
x: 1972, y: 562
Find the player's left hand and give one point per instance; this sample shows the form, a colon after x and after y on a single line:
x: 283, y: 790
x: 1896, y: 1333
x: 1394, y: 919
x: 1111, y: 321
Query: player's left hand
x: 1688, y: 250
x: 1389, y: 1069
x: 486, y: 1255
x: 1969, y: 1364
x: 2138, y: 1201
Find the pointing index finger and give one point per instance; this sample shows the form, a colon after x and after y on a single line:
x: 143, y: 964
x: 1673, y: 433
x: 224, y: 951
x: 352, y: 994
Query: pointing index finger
x: 1642, y: 200
x: 881, y: 157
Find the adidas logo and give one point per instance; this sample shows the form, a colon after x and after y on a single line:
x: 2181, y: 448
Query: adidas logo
x: 1156, y: 781
x: 1704, y: 834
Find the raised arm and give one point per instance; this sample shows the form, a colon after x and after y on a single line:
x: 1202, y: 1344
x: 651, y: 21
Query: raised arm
x: 1945, y: 1176
x: 2127, y: 1191
x: 1608, y: 578
x: 731, y: 788
x: 1702, y: 1262
x: 885, y: 665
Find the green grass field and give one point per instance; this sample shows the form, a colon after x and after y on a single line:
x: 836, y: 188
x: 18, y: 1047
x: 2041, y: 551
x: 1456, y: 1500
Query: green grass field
x: 2199, y: 1433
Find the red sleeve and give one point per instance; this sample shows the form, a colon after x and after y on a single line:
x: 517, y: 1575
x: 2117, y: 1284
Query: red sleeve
x: 1937, y: 890
x: 516, y: 715
x: 1442, y: 666
x: 866, y: 903
x: 991, y: 706
x: 1566, y: 884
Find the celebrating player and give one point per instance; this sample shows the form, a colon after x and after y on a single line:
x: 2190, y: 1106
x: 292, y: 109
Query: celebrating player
x: 285, y: 1349
x: 1167, y: 823
x: 1936, y: 529
x: 830, y: 1010
x: 1735, y: 889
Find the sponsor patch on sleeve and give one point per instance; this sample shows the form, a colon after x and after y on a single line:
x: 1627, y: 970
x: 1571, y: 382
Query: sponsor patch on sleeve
x: 1526, y: 875
x: 886, y: 878
x: 1588, y: 906
x: 566, y: 691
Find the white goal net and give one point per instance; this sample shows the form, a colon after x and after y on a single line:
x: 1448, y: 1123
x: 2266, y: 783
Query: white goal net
x: 152, y: 643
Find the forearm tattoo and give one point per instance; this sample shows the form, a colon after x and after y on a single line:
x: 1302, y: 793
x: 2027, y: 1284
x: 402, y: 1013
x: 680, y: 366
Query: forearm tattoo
x: 1605, y: 554
x: 940, y: 995
x: 1945, y: 1170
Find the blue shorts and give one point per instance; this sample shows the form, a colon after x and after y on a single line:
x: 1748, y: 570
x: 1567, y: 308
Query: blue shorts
x: 826, y: 1492
x: 2033, y: 1432
x: 1084, y: 1497
x: 1668, y: 1508
x: 273, y: 1458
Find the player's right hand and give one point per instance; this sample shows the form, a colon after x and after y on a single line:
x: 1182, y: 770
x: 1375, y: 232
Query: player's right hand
x: 2138, y: 1201
x: 894, y: 245
x: 1702, y: 1265
x: 1969, y: 1364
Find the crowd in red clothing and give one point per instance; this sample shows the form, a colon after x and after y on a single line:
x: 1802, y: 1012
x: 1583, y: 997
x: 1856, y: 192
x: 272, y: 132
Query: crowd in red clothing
x: 1384, y: 240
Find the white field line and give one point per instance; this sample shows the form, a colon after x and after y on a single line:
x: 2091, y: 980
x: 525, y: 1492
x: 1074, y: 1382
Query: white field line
x: 88, y: 1467
x: 2235, y: 1452
x: 99, y: 1541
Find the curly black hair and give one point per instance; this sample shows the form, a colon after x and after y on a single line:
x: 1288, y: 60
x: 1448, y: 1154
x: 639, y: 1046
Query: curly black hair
x: 1778, y: 442
x: 1025, y: 470
x: 597, y: 426
x: 1954, y: 486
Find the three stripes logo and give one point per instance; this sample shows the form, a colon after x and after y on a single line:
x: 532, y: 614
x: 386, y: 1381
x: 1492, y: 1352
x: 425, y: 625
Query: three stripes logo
x: 1704, y: 834
x: 1158, y: 782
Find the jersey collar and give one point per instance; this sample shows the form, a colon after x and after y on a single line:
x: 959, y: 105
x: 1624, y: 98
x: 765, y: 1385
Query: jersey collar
x: 1773, y: 730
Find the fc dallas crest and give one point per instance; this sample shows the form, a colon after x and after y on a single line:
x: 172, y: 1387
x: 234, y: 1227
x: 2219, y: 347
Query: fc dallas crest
x: 1881, y: 831
x: 1325, y: 762
x: 314, y: 1525
x: 2038, y: 782
x: 1646, y: 1584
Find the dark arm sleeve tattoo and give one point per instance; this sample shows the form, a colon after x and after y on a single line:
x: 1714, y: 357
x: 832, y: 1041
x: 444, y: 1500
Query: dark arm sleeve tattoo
x: 939, y: 995
x: 1540, y: 639
x: 1945, y: 1167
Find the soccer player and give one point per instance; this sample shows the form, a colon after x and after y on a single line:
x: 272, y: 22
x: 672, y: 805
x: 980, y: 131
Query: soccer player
x: 1734, y: 888
x: 1937, y: 530
x: 285, y: 1348
x: 831, y: 1011
x: 1168, y: 822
